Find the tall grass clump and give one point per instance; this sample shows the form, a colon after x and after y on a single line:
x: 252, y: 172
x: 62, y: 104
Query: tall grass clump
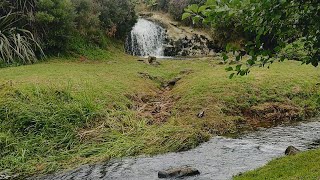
x: 30, y: 29
x: 17, y: 45
x: 40, y: 122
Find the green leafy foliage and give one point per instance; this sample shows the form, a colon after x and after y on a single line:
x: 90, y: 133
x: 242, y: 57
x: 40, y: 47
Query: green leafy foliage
x: 266, y: 26
x: 56, y: 19
x: 56, y: 26
x: 87, y: 19
x: 117, y: 17
x: 17, y: 45
x: 294, y: 50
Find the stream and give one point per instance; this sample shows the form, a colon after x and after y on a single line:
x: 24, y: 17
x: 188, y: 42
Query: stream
x: 220, y: 158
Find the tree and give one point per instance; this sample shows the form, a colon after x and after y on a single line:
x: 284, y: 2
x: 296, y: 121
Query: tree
x: 117, y: 17
x: 55, y: 21
x: 267, y: 27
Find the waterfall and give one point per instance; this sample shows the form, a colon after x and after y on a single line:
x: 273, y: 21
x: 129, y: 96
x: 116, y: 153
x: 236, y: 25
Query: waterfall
x: 146, y: 39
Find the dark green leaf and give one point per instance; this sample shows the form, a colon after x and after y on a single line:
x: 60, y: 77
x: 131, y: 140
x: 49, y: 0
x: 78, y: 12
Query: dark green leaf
x: 231, y: 75
x: 229, y: 69
x: 186, y: 15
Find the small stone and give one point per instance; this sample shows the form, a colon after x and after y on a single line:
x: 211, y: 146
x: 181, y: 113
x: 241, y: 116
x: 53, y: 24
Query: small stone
x: 173, y: 81
x: 178, y: 172
x: 152, y: 59
x: 201, y: 114
x: 291, y: 150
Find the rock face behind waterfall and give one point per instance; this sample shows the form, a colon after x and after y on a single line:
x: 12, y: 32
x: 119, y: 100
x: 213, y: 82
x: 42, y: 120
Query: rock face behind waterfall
x: 196, y: 45
x: 156, y: 34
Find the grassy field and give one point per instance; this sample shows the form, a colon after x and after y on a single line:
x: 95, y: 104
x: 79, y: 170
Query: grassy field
x: 65, y: 112
x: 302, y: 166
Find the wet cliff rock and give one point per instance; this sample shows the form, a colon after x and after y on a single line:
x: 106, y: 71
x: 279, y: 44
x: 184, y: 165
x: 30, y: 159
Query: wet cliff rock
x: 196, y: 45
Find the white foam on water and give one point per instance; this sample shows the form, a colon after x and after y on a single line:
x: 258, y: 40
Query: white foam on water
x: 146, y: 39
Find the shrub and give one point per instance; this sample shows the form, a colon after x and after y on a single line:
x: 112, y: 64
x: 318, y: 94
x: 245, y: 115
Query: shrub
x: 17, y: 45
x: 117, y: 17
x: 295, y: 50
x: 87, y: 19
x: 55, y: 19
x: 57, y: 25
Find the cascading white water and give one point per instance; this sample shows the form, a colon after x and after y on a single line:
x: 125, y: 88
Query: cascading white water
x: 146, y: 39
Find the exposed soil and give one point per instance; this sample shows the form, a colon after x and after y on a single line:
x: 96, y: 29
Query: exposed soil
x: 157, y: 108
x: 271, y: 113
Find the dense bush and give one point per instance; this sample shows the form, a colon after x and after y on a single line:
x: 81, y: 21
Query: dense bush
x: 60, y: 26
x: 295, y: 50
x: 117, y: 17
x: 87, y: 16
x: 267, y: 27
x: 56, y: 20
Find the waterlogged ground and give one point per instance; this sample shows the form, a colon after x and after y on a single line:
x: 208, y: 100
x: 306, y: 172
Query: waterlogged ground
x: 220, y: 158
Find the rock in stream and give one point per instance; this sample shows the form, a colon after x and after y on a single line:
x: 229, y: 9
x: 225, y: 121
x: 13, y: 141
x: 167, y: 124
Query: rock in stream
x: 178, y: 172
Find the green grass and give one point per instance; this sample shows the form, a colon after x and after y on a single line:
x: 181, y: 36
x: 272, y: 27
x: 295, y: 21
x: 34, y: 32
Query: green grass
x: 70, y: 111
x: 302, y: 166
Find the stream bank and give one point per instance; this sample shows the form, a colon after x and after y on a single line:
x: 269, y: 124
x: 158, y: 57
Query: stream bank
x: 220, y: 158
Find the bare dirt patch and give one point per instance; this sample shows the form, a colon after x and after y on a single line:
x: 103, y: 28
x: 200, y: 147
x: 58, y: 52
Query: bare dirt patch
x: 271, y: 113
x: 156, y: 108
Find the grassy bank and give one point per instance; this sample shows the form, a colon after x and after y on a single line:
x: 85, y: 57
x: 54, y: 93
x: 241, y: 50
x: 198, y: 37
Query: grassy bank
x: 302, y: 166
x: 69, y: 111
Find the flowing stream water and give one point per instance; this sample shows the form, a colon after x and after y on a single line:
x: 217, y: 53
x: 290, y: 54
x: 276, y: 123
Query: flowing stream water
x: 146, y: 39
x: 220, y: 158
